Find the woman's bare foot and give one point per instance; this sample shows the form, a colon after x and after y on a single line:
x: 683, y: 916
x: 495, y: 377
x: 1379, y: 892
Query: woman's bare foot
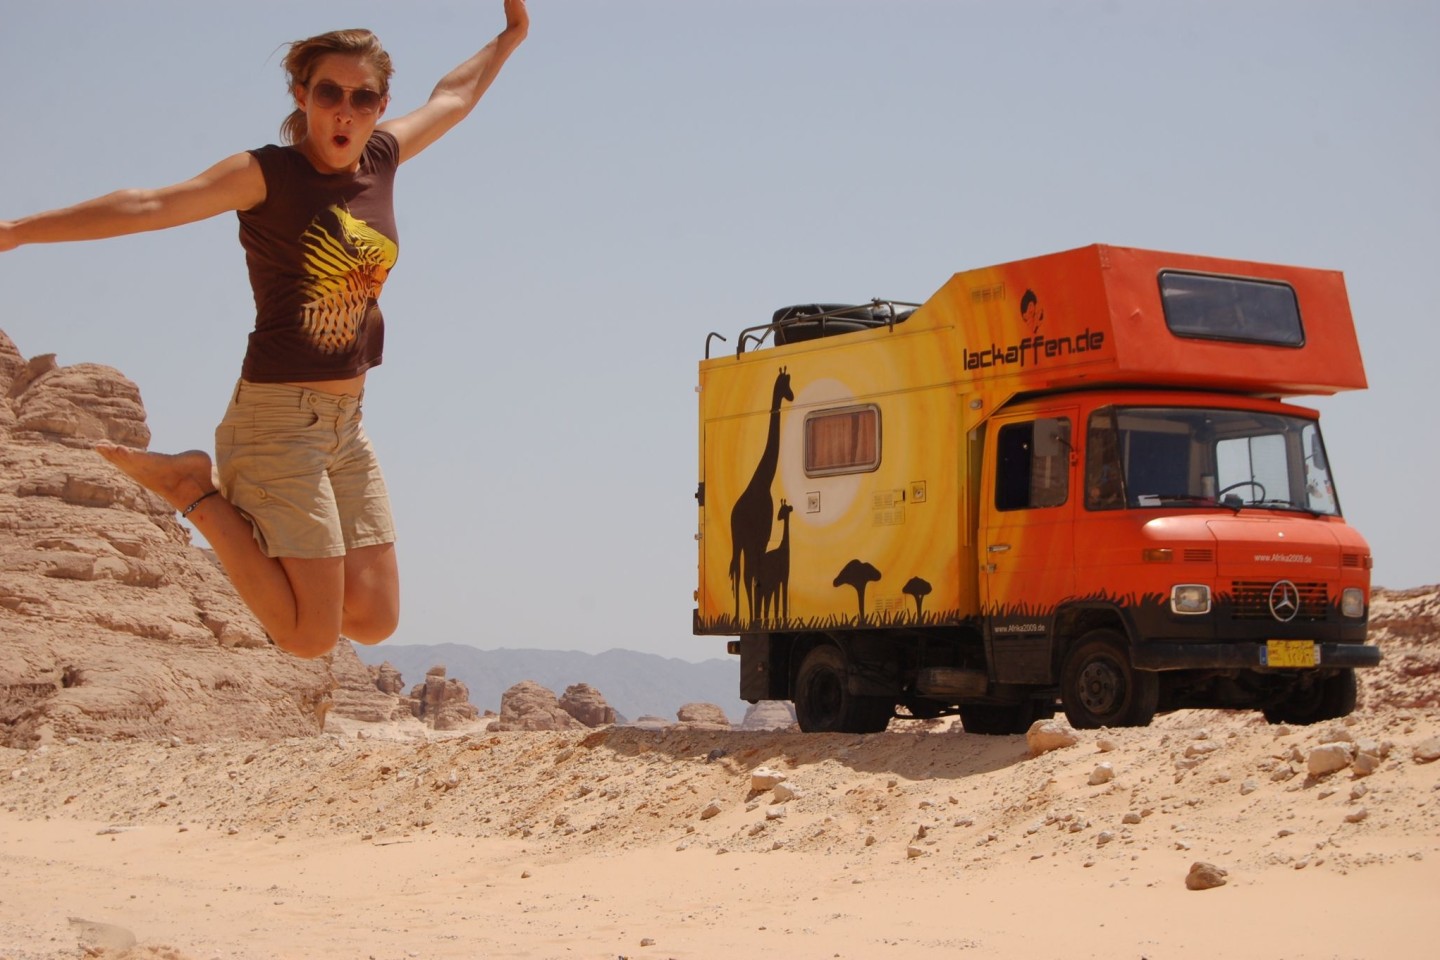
x: 178, y: 478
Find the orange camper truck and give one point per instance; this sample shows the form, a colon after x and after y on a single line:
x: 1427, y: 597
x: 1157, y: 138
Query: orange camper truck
x: 1073, y: 479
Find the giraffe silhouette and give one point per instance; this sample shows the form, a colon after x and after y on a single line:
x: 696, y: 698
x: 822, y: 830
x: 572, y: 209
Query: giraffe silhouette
x: 774, y: 580
x: 750, y: 521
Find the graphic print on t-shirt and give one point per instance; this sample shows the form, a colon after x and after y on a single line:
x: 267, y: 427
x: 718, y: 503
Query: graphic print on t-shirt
x: 347, y: 261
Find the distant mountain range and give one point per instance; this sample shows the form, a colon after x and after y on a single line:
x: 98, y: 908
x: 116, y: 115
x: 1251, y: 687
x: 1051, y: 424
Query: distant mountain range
x: 635, y: 684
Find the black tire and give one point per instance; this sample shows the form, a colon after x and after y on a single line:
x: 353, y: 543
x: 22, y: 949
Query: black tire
x: 994, y: 720
x: 824, y: 703
x: 1329, y: 698
x: 1100, y: 688
x: 855, y: 317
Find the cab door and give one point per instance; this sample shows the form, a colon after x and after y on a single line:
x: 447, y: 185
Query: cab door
x: 1027, y: 538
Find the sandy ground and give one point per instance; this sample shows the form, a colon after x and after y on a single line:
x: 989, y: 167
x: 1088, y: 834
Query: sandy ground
x: 922, y: 842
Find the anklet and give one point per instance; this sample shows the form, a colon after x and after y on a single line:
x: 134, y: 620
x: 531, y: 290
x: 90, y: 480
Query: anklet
x: 203, y: 496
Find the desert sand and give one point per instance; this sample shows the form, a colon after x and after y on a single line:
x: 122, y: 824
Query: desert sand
x: 173, y: 787
x: 922, y: 841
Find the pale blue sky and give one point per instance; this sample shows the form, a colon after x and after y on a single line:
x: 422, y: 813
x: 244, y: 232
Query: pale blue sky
x: 647, y: 171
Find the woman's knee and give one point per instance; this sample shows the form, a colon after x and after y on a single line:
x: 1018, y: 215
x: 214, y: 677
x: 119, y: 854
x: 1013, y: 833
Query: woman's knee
x: 371, y: 630
x: 308, y: 645
x: 372, y: 594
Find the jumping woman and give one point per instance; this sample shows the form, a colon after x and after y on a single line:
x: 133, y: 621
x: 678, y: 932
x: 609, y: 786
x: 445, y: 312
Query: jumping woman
x: 295, y: 506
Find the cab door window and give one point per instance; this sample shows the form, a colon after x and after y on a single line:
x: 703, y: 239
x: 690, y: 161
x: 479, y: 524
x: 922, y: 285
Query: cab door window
x: 1032, y: 464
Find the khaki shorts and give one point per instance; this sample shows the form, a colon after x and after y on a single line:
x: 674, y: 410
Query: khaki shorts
x: 298, y: 464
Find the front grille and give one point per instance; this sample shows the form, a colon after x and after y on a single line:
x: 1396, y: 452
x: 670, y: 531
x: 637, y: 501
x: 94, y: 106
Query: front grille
x: 1251, y: 600
x: 1199, y: 555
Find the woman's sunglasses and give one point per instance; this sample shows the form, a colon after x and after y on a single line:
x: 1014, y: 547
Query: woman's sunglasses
x: 329, y: 95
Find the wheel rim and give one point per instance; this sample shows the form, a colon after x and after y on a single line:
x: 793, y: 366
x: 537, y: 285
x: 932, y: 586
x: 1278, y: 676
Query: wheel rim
x: 1102, y: 688
x: 824, y: 697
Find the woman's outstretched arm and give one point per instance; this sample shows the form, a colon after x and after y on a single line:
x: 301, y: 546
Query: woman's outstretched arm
x: 235, y: 183
x: 459, y: 90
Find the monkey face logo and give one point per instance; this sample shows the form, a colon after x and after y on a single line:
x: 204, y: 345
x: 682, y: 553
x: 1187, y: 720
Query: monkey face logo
x: 1284, y: 601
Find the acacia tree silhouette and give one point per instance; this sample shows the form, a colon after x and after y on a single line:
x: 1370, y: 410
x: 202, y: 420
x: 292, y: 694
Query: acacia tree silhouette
x: 919, y: 589
x: 856, y: 574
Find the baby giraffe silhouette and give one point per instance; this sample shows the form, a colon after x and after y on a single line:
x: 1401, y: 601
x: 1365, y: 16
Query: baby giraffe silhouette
x: 750, y: 522
x: 775, y: 571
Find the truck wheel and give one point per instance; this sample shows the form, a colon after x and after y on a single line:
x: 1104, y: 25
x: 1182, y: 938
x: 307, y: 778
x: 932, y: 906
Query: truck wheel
x: 824, y: 703
x: 1100, y: 688
x: 1329, y: 698
x: 998, y: 719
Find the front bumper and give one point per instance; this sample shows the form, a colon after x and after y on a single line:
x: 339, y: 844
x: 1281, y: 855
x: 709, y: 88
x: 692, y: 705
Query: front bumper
x: 1243, y: 656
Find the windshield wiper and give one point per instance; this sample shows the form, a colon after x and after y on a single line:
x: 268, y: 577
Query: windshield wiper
x: 1163, y: 499
x: 1287, y: 505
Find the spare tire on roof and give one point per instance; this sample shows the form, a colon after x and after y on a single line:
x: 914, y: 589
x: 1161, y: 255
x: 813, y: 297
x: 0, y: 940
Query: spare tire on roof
x: 845, y: 318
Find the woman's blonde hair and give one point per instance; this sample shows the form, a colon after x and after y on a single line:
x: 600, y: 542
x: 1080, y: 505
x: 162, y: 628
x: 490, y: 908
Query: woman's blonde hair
x: 304, y: 54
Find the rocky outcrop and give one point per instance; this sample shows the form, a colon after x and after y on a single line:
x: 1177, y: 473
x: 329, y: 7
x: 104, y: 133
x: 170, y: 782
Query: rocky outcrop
x: 585, y: 703
x: 702, y: 716
x: 1403, y: 624
x: 374, y: 694
x: 78, y: 404
x: 529, y: 706
x: 114, y: 624
x: 442, y: 703
x: 358, y: 694
x: 387, y: 678
x: 769, y: 715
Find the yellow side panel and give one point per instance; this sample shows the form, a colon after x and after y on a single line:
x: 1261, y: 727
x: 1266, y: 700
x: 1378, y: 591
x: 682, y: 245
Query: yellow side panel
x: 783, y: 548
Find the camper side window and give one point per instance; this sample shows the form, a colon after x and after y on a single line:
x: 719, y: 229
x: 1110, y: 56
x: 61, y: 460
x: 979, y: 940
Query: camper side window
x: 846, y: 440
x: 1032, y: 464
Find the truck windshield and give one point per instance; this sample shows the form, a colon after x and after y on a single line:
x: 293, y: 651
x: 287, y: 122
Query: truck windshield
x: 1153, y: 457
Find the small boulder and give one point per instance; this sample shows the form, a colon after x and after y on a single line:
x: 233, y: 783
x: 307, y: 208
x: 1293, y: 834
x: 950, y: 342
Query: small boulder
x: 703, y: 716
x: 1204, y: 876
x: 1046, y: 735
x: 1330, y: 757
x: 765, y: 778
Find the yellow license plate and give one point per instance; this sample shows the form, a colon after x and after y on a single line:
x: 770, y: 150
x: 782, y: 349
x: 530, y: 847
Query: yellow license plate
x: 1290, y: 653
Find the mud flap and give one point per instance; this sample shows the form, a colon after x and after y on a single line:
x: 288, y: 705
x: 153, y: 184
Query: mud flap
x: 760, y: 677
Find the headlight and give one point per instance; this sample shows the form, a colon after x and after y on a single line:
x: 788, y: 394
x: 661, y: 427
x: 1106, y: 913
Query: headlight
x: 1190, y: 598
x: 1352, y: 603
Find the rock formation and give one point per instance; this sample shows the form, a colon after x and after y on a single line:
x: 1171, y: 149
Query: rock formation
x: 365, y: 693
x: 769, y: 715
x: 702, y: 716
x: 114, y: 624
x: 1403, y: 624
x: 387, y: 678
x: 442, y: 703
x: 585, y: 703
x: 529, y: 706
x: 375, y: 694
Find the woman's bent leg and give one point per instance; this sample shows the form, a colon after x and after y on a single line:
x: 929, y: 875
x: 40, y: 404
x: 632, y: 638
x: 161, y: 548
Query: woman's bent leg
x: 372, y: 593
x: 297, y: 601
